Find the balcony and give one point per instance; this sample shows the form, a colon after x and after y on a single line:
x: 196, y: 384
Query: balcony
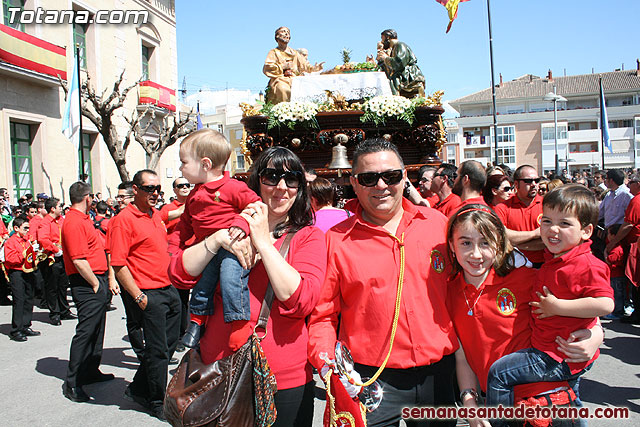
x: 476, y: 141
x: 151, y: 93
x: 27, y: 56
x: 592, y: 135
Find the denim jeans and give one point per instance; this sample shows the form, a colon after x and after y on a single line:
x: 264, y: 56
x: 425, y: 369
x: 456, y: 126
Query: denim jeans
x: 525, y: 366
x: 619, y: 284
x: 224, y: 267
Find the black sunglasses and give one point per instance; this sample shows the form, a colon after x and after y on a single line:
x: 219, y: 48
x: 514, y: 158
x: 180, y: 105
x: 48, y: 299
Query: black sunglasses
x: 272, y: 177
x: 507, y: 189
x: 370, y: 179
x: 185, y: 185
x: 529, y: 180
x: 150, y: 188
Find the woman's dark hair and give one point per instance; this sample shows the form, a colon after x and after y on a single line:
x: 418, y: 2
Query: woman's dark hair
x: 323, y: 191
x: 493, y: 182
x: 300, y: 214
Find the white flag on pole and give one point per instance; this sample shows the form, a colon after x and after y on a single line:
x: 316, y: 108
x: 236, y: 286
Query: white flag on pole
x: 71, y: 118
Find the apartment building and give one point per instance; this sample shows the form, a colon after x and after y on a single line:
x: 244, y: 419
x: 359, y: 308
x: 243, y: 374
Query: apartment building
x: 36, y: 157
x: 525, y: 122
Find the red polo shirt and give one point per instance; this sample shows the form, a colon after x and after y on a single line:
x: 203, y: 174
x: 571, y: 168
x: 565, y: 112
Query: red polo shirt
x: 433, y: 200
x: 49, y: 232
x: 576, y: 274
x: 139, y: 242
x: 360, y: 287
x: 632, y: 216
x: 34, y: 223
x: 473, y: 201
x: 3, y: 228
x: 517, y: 216
x: 164, y: 214
x: 499, y: 325
x: 449, y: 205
x: 15, y: 251
x: 616, y: 259
x: 80, y: 240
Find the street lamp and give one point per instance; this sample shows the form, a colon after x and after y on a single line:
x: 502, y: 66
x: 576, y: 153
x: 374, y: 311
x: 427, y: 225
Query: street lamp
x: 552, y: 96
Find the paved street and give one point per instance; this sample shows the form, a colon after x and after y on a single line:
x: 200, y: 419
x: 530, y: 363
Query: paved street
x: 33, y: 372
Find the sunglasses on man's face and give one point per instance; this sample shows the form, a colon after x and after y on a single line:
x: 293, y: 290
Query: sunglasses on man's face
x: 272, y: 177
x: 150, y: 188
x: 370, y: 179
x: 184, y: 185
x: 529, y: 180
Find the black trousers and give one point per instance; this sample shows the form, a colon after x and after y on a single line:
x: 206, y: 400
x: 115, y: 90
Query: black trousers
x: 430, y: 385
x: 86, y: 345
x: 294, y: 406
x: 22, y: 287
x: 55, y: 288
x: 134, y: 323
x: 161, y: 326
x: 184, y: 305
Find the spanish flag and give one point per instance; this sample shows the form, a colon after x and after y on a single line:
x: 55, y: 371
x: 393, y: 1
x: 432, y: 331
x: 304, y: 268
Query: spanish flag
x: 452, y: 7
x: 32, y: 53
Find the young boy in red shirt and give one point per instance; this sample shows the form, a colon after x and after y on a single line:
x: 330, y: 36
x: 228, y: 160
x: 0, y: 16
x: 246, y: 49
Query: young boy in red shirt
x: 617, y: 259
x: 214, y: 204
x: 20, y: 264
x: 571, y: 290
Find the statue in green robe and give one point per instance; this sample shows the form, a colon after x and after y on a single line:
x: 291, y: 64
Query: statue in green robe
x: 401, y: 66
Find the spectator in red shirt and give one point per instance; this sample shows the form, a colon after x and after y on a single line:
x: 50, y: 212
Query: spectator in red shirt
x: 498, y: 189
x: 442, y: 185
x: 425, y: 177
x: 616, y: 258
x: 86, y: 266
x: 20, y: 263
x: 137, y: 242
x: 388, y: 245
x: 469, y: 183
x: 55, y: 278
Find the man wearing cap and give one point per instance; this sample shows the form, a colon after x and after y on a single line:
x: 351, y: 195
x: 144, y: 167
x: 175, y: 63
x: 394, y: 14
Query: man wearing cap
x: 137, y: 242
x: 85, y: 263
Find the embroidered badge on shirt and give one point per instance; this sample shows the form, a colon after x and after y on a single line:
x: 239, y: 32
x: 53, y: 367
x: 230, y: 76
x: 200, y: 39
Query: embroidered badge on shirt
x: 437, y: 261
x: 217, y: 196
x: 506, y: 302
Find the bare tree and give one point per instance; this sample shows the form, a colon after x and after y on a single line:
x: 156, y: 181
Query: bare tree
x: 100, y: 108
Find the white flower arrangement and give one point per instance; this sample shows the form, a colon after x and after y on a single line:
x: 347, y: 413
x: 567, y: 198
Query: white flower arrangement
x: 379, y: 108
x: 290, y: 113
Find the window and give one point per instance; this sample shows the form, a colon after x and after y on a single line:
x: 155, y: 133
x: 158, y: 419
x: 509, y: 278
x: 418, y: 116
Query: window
x: 506, y: 155
x: 146, y: 56
x: 239, y: 160
x: 451, y: 154
x: 80, y: 40
x: 506, y: 134
x: 547, y: 132
x: 86, y: 151
x: 6, y: 4
x: 637, y: 119
x: 20, y: 135
x: 452, y: 137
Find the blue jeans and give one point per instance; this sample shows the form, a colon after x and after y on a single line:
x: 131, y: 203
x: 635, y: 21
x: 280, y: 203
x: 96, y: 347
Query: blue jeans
x: 224, y: 267
x: 619, y: 285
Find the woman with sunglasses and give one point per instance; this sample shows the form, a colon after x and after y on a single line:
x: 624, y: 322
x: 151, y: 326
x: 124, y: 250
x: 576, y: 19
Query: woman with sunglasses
x: 497, y: 189
x: 277, y: 177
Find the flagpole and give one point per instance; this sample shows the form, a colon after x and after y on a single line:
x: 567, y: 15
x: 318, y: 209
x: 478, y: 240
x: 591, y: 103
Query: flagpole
x: 602, y: 122
x: 493, y: 90
x: 81, y: 144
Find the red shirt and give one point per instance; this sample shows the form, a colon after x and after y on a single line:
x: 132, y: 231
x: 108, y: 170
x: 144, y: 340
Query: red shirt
x: 81, y: 240
x: 632, y: 216
x: 3, y: 228
x: 15, y: 251
x: 49, y: 232
x: 164, y: 214
x: 473, y: 201
x: 517, y: 216
x: 449, y: 205
x: 34, y: 223
x: 433, y: 199
x: 139, y: 242
x: 363, y: 266
x: 286, y: 342
x: 211, y: 207
x: 500, y: 323
x: 576, y: 274
x: 616, y: 259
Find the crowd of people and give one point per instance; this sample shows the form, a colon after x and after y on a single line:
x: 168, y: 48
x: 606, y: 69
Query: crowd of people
x: 411, y: 278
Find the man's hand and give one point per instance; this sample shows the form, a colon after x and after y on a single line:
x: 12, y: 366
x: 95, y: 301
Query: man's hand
x: 143, y: 303
x: 114, y: 287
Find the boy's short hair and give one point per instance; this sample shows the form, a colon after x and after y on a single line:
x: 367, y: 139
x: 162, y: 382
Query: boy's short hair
x: 575, y: 199
x: 208, y: 143
x: 19, y: 220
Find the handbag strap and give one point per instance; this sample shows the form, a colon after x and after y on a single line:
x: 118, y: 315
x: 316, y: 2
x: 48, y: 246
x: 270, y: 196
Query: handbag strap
x: 265, y: 308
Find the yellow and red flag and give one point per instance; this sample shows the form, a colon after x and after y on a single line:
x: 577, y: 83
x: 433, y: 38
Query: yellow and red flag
x: 32, y: 53
x: 452, y: 8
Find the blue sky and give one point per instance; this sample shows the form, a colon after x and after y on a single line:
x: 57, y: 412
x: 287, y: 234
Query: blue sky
x: 224, y: 44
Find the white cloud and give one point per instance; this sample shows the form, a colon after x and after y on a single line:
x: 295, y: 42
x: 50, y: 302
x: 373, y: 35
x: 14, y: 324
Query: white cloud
x: 210, y: 99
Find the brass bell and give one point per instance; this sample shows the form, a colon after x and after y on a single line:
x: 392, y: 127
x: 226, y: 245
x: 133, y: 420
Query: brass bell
x: 339, y: 158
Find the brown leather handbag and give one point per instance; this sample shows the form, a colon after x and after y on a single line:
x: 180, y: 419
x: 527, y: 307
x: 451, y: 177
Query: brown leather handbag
x: 226, y: 392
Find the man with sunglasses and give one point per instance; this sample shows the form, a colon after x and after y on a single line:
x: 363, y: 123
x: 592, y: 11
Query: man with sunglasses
x: 521, y: 214
x: 137, y: 243
x: 386, y: 267
x: 442, y: 185
x: 125, y: 195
